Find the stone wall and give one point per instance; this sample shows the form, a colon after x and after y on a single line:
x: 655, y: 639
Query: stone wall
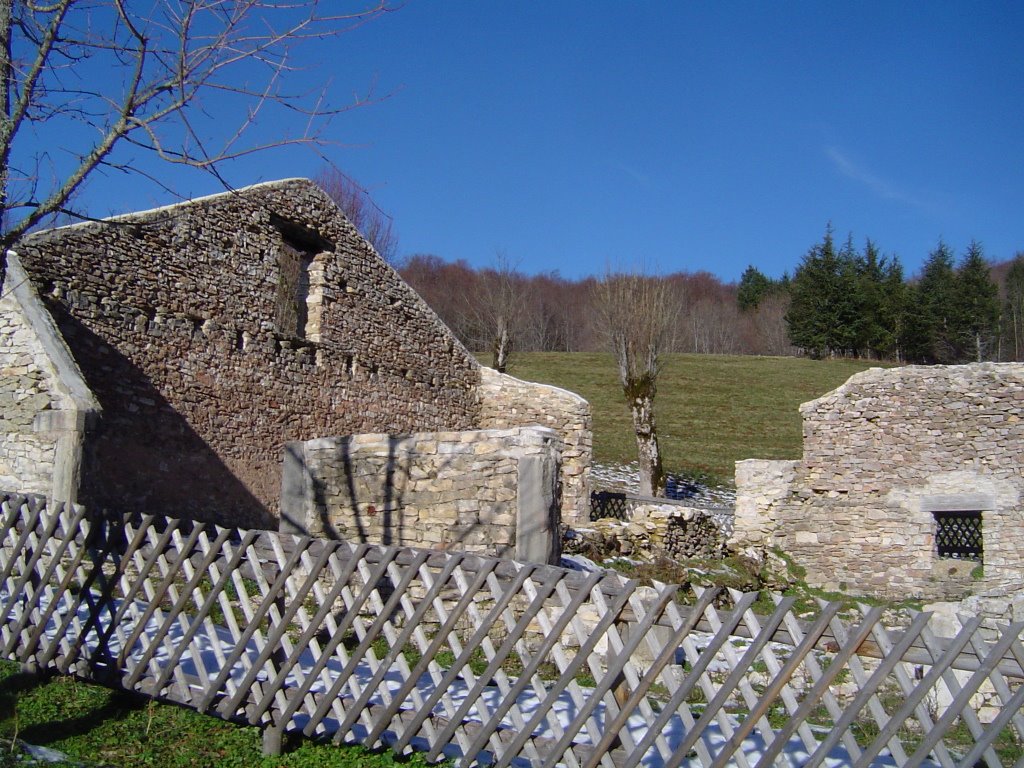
x: 44, y: 404
x: 883, y: 453
x: 487, y: 491
x: 215, y: 331
x: 509, y: 402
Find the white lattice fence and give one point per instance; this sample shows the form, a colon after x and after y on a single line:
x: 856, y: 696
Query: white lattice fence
x: 465, y: 656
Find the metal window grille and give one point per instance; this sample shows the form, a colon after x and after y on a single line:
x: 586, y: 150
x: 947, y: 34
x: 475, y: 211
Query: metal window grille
x: 958, y: 535
x: 607, y: 504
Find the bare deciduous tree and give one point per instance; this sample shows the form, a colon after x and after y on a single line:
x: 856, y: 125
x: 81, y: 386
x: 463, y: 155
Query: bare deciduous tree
x: 638, y: 313
x: 500, y: 309
x: 103, y: 81
x: 357, y: 205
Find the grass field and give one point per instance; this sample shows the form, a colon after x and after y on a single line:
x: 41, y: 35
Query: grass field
x: 711, y: 410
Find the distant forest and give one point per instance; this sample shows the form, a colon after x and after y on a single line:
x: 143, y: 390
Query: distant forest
x: 840, y: 301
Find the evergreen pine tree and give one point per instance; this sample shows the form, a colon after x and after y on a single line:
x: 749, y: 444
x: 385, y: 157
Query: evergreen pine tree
x: 893, y: 309
x: 976, y: 307
x: 811, y: 288
x: 754, y: 286
x: 932, y: 329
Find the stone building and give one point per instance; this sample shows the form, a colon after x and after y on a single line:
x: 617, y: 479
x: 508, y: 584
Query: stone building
x: 161, y: 361
x: 910, y: 484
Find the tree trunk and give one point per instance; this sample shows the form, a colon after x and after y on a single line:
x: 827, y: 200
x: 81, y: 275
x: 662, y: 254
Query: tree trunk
x: 502, y: 349
x: 652, y: 480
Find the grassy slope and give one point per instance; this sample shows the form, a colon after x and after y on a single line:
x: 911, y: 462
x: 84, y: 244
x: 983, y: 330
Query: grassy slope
x: 711, y: 410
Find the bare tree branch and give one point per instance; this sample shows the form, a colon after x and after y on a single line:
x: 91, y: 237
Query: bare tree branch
x: 364, y: 214
x: 126, y: 76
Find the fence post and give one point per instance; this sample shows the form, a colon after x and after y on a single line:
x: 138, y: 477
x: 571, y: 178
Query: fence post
x: 273, y: 734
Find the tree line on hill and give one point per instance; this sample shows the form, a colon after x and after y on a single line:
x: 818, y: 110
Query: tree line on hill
x: 839, y: 302
x: 550, y: 313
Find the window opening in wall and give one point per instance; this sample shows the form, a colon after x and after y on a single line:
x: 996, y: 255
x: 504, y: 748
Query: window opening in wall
x: 958, y: 535
x: 298, y: 296
x: 292, y: 290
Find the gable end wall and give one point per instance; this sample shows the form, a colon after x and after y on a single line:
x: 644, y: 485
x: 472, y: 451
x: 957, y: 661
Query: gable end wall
x: 172, y: 317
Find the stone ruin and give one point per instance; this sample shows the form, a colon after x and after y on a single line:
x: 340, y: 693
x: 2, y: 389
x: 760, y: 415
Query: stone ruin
x: 910, y: 485
x: 162, y: 361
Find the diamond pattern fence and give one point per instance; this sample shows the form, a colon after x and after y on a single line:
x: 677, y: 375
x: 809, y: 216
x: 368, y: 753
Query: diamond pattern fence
x: 487, y: 660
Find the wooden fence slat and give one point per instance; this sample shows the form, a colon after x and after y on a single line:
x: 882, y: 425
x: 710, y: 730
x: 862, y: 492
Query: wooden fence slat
x: 914, y: 698
x: 127, y: 603
x: 131, y: 601
x: 476, y: 640
x: 345, y: 677
x: 430, y: 651
x: 666, y: 656
x: 774, y: 688
x: 665, y: 594
x: 699, y: 665
x: 231, y: 704
x: 31, y: 640
x: 907, y: 687
x: 140, y: 666
x: 983, y: 743
x: 820, y: 688
x: 338, y: 634
x: 729, y: 685
x: 398, y: 645
x: 553, y: 636
x: 963, y: 697
x: 867, y: 695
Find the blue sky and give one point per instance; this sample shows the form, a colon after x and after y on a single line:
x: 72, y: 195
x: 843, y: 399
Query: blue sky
x: 680, y: 135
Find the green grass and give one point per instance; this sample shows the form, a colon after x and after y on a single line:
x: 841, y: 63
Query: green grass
x: 100, y: 727
x: 711, y: 410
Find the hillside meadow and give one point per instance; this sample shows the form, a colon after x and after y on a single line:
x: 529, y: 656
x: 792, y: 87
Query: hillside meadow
x: 711, y: 410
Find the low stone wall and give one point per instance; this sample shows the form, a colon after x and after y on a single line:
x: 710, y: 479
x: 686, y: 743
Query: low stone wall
x: 494, y: 492
x: 45, y: 406
x: 654, y: 529
x: 882, y: 455
x: 507, y: 402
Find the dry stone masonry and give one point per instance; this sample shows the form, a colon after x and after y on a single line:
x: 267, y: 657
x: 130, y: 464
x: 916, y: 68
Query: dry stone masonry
x: 45, y: 406
x: 215, y: 331
x: 509, y: 402
x: 487, y: 491
x: 886, y: 457
x: 208, y: 335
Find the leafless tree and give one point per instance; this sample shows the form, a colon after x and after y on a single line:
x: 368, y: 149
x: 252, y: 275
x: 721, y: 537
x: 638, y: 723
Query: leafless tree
x: 712, y: 325
x: 638, y: 314
x: 185, y: 80
x: 771, y: 329
x: 500, y: 309
x: 357, y: 205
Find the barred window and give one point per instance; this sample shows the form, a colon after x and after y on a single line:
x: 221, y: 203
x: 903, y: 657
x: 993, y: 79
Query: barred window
x: 958, y: 535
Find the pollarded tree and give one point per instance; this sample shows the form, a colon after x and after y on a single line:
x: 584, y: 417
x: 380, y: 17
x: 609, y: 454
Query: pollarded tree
x: 184, y: 81
x: 637, y: 314
x: 497, y: 308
